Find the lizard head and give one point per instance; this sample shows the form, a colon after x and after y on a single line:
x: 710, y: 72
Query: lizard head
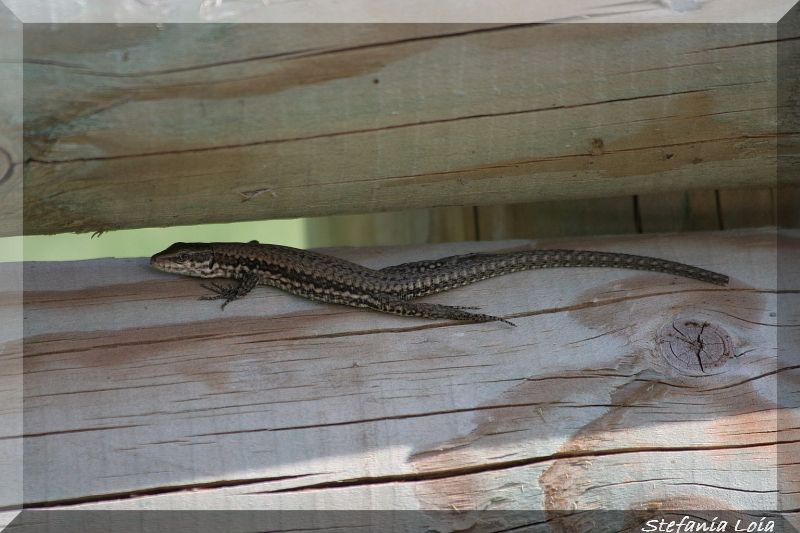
x: 189, y: 259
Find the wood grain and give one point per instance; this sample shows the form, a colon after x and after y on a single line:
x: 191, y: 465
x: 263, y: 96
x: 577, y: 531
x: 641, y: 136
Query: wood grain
x: 11, y: 274
x: 10, y: 123
x: 134, y: 126
x: 564, y: 218
x: 416, y: 226
x: 678, y: 211
x: 138, y: 396
x: 747, y: 208
x: 371, y: 11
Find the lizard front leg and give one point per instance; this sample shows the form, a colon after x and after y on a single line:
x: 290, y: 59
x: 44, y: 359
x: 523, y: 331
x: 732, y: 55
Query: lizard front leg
x: 230, y: 293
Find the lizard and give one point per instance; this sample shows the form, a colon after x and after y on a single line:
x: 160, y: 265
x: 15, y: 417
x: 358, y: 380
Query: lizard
x: 325, y: 278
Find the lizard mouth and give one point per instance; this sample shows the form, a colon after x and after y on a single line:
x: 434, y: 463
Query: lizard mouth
x: 160, y: 264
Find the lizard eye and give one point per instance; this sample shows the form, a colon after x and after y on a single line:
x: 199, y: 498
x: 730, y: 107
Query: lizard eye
x: 183, y: 258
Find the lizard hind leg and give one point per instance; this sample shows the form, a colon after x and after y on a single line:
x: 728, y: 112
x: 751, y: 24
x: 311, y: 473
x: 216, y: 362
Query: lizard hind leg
x: 391, y: 304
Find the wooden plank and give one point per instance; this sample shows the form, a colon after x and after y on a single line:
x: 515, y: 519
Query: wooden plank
x: 10, y: 123
x: 678, y: 211
x: 417, y: 226
x: 788, y: 207
x: 136, y: 394
x: 368, y: 11
x: 658, y: 213
x: 375, y: 229
x: 788, y: 256
x: 788, y: 123
x: 453, y: 224
x: 746, y: 208
x: 11, y: 388
x: 199, y: 124
x: 548, y: 484
x: 11, y: 275
x: 566, y: 218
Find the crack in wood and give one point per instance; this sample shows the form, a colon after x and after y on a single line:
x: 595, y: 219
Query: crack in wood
x: 506, y: 465
x: 66, y: 431
x: 292, y: 54
x: 408, y: 125
x: 8, y: 162
x: 162, y: 490
x: 775, y: 490
x: 555, y: 310
x: 744, y: 45
x: 372, y: 420
x: 86, y: 72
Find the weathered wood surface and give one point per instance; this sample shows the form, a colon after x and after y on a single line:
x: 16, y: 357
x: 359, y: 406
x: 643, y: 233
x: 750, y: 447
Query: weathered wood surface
x: 139, y: 396
x: 138, y: 126
x: 10, y: 275
x: 10, y: 391
x: 685, y: 11
x: 10, y: 123
x: 789, y: 372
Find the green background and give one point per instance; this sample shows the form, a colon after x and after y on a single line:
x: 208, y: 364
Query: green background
x: 148, y: 241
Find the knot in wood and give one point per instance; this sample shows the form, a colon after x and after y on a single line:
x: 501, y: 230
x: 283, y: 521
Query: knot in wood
x: 695, y: 347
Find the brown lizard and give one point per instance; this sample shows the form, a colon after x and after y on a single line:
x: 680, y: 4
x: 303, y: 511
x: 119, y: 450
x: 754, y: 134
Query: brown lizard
x: 329, y: 279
